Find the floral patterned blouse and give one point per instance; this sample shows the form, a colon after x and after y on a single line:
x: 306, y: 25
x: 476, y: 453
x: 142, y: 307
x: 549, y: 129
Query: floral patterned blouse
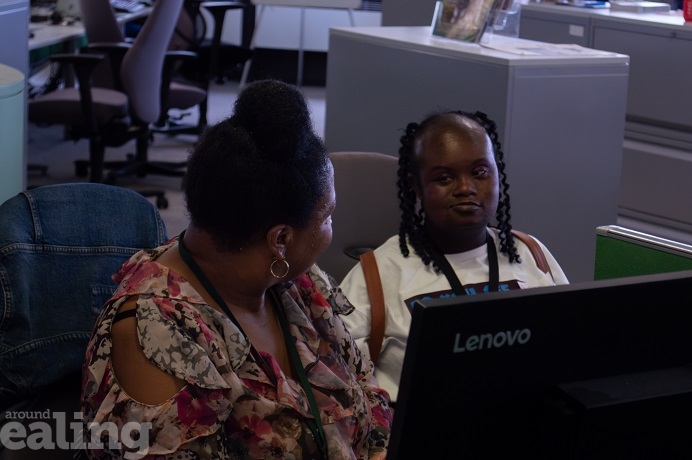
x: 230, y: 408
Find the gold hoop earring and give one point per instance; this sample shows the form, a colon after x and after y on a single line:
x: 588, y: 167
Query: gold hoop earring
x: 272, y: 266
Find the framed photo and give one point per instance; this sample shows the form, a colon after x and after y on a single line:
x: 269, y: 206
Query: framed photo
x: 464, y: 20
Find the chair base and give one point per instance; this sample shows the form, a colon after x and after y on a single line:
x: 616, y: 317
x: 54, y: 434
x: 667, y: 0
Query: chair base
x: 161, y: 200
x: 173, y: 128
x: 131, y: 168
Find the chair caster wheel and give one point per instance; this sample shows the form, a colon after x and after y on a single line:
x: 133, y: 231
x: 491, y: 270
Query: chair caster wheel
x: 162, y: 202
x: 81, y: 168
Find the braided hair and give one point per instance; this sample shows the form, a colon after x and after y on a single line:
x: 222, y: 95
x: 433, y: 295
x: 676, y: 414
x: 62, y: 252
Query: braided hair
x: 411, y: 231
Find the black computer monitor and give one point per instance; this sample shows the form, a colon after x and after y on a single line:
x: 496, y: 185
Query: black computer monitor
x: 583, y: 371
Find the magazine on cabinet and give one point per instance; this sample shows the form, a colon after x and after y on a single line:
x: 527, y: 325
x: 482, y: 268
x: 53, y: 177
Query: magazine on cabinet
x: 464, y: 20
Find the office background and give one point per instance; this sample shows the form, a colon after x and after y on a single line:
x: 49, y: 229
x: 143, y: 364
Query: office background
x: 280, y: 27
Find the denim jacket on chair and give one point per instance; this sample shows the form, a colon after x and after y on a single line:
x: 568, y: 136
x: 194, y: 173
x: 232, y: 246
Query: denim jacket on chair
x: 59, y: 247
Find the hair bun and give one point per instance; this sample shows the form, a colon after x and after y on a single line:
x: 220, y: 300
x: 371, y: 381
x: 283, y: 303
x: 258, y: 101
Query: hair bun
x: 276, y: 116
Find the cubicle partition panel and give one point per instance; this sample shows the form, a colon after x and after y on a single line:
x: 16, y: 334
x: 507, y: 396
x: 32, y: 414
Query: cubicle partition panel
x: 14, y: 23
x: 622, y: 252
x: 658, y: 129
x: 12, y: 132
x: 14, y: 58
x: 560, y: 118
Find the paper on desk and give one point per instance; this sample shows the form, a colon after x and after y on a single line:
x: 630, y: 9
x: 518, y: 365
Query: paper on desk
x: 546, y: 49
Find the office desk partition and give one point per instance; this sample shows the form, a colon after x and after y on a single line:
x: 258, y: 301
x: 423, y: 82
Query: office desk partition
x: 46, y: 34
x: 47, y: 39
x: 12, y: 103
x: 622, y: 251
x: 14, y: 18
x: 658, y: 128
x: 560, y: 119
x: 14, y: 23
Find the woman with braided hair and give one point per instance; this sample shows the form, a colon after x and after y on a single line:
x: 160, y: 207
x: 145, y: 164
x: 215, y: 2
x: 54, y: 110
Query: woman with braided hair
x: 455, y: 234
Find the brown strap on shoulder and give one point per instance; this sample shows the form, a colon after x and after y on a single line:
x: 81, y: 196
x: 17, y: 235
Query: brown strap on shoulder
x: 374, y: 285
x: 535, y: 249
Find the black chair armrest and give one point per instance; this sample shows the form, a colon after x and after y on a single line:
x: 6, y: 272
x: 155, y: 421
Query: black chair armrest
x: 115, y: 52
x: 83, y: 65
x: 171, y: 62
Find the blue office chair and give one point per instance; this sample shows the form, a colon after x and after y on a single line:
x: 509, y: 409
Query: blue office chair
x: 59, y: 246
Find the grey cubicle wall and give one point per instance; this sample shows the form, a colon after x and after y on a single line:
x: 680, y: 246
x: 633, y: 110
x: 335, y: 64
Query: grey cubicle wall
x: 14, y: 24
x: 657, y: 149
x: 656, y: 44
x: 12, y: 103
x: 14, y: 52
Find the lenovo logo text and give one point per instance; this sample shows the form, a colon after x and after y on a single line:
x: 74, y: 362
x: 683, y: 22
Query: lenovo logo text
x: 488, y: 341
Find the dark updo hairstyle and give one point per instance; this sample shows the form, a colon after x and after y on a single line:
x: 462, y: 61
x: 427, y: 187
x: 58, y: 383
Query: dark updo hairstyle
x: 264, y: 165
x: 413, y: 217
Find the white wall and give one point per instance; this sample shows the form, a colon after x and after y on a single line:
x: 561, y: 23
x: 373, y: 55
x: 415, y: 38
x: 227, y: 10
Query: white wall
x: 280, y: 26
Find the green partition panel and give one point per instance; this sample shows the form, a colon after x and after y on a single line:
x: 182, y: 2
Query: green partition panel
x: 622, y: 252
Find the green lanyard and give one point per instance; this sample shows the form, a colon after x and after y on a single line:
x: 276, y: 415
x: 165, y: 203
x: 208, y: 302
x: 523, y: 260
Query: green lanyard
x: 314, y: 424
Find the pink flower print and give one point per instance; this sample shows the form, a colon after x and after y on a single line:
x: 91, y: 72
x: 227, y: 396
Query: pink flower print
x: 195, y: 409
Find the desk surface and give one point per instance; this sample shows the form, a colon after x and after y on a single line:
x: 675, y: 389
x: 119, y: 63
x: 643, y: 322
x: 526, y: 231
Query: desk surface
x: 671, y: 19
x: 493, y: 50
x: 46, y: 34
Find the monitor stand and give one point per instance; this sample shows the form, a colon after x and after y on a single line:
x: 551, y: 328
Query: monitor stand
x: 625, y: 416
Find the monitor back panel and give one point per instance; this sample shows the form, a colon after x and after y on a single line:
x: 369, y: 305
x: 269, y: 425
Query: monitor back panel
x: 478, y: 368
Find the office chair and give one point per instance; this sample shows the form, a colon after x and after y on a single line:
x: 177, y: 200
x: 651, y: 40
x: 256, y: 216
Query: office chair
x: 111, y: 118
x: 101, y: 27
x: 59, y: 246
x: 216, y: 55
x: 367, y: 208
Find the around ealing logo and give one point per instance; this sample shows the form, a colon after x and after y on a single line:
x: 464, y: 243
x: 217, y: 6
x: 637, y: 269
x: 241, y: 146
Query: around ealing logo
x: 490, y: 340
x: 17, y: 433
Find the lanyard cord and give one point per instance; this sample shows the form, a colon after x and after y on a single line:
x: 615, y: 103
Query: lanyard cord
x: 493, y: 267
x: 315, y: 424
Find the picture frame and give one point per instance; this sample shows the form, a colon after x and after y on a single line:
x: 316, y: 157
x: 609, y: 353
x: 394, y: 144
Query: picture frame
x: 464, y: 20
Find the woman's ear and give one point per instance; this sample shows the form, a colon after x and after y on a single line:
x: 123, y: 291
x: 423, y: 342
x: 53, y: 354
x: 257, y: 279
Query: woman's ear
x: 278, y: 238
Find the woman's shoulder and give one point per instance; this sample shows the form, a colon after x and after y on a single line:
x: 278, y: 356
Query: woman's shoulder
x: 330, y: 289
